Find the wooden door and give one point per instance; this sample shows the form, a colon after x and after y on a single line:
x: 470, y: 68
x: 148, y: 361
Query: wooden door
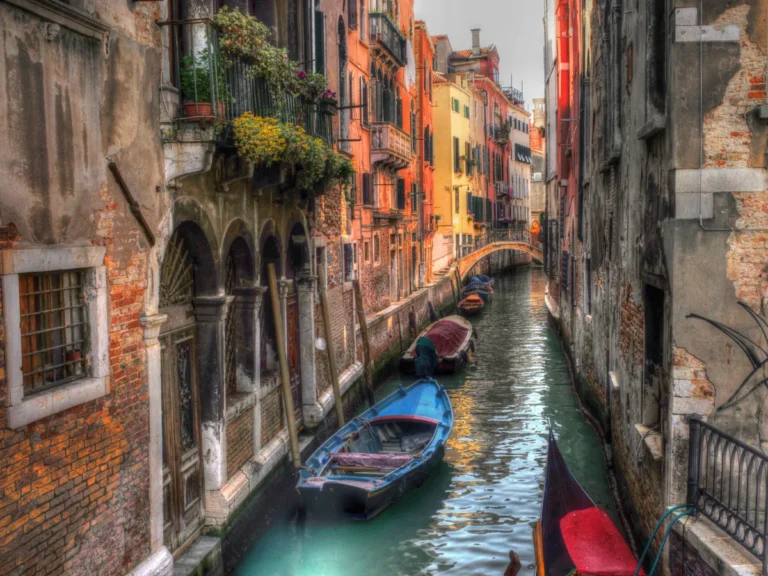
x: 182, y: 467
x: 294, y: 355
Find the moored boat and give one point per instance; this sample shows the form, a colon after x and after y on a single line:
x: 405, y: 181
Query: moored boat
x: 452, y: 339
x: 574, y: 536
x: 485, y: 291
x: 375, y: 458
x: 483, y: 278
x: 471, y: 305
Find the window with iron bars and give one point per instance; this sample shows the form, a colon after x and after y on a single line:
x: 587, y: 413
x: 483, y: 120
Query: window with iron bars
x: 54, y: 335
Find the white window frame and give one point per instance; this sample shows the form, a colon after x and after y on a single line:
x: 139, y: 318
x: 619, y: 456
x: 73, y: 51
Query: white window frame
x: 39, y: 260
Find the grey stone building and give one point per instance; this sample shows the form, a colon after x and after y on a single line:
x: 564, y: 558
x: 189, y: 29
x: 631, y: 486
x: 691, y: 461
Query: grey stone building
x: 657, y: 254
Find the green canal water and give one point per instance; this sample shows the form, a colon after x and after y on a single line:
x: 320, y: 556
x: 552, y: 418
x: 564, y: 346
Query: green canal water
x: 482, y: 500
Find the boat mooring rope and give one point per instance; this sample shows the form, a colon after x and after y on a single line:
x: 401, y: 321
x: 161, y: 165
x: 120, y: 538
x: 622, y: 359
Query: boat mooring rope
x: 687, y: 512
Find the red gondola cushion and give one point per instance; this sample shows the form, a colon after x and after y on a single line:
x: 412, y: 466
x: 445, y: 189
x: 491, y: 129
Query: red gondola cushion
x: 595, y: 545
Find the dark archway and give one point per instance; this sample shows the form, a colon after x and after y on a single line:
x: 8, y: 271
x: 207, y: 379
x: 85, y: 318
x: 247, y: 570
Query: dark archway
x: 270, y: 254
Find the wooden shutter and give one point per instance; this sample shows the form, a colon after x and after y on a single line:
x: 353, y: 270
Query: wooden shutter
x: 352, y: 15
x: 367, y: 189
x: 319, y: 42
x: 456, y: 159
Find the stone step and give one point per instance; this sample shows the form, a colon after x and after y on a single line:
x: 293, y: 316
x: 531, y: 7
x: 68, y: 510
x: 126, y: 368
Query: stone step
x: 202, y: 559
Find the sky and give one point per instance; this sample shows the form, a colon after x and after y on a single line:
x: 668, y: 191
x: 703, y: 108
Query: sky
x: 514, y: 26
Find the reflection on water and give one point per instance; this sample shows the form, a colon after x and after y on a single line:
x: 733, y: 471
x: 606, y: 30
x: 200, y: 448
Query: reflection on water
x: 482, y: 500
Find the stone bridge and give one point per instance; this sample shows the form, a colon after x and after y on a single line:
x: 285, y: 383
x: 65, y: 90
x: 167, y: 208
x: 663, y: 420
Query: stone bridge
x: 471, y: 260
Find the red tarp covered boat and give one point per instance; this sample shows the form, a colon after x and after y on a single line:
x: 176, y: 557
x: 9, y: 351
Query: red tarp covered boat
x: 452, y: 337
x: 574, y: 536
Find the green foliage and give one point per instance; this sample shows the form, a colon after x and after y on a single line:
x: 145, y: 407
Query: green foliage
x: 243, y: 37
x: 196, y: 78
x: 268, y: 141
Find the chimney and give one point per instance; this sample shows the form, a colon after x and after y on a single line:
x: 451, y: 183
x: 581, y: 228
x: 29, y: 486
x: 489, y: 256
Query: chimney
x: 475, y: 41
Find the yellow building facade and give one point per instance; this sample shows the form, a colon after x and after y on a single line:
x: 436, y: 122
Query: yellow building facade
x: 455, y: 170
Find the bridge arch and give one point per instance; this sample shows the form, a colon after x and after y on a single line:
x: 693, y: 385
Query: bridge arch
x: 467, y: 264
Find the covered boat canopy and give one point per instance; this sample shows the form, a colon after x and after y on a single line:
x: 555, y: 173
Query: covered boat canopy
x: 448, y: 336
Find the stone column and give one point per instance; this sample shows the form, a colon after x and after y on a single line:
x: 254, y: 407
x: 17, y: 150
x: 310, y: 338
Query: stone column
x: 306, y: 289
x: 258, y: 302
x: 152, y: 325
x: 282, y: 290
x: 211, y: 314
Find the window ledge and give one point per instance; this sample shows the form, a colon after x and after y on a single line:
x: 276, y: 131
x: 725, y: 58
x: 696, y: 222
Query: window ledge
x: 59, y: 13
x: 655, y: 126
x: 56, y: 400
x: 238, y: 403
x: 652, y: 440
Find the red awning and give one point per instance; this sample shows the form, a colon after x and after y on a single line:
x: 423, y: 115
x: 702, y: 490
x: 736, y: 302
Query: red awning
x: 595, y: 545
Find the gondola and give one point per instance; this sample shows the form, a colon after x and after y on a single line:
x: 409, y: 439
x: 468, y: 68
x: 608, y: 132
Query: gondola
x: 375, y: 458
x: 452, y: 338
x: 574, y: 536
x: 471, y: 305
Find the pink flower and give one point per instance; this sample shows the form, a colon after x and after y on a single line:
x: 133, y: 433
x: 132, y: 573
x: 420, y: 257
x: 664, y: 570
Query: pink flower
x: 301, y: 75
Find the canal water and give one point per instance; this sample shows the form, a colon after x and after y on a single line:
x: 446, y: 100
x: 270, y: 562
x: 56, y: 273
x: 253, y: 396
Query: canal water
x: 482, y: 500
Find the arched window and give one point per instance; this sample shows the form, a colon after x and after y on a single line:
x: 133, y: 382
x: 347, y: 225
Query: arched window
x: 413, y: 128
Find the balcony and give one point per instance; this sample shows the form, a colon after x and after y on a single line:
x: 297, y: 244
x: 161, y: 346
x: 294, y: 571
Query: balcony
x: 388, y: 37
x: 206, y: 93
x: 503, y: 189
x: 501, y: 135
x: 391, y: 215
x: 390, y: 146
x: 252, y: 94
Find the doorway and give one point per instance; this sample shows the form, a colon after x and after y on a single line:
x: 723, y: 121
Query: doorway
x: 182, y: 465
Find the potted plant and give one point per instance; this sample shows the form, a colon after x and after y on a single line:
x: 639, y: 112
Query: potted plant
x: 196, y: 84
x: 328, y: 103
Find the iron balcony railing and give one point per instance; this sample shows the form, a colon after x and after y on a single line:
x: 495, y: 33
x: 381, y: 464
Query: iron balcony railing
x: 386, y: 33
x: 211, y: 90
x: 503, y: 189
x: 250, y: 93
x: 728, y: 483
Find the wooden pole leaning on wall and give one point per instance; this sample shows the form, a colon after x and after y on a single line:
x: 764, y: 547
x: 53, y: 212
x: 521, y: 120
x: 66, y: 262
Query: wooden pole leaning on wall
x: 284, y: 373
x: 331, y: 352
x: 453, y: 292
x: 367, y: 369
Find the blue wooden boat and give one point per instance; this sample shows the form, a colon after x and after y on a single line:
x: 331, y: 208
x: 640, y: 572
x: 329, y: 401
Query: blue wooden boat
x: 378, y: 456
x: 482, y: 278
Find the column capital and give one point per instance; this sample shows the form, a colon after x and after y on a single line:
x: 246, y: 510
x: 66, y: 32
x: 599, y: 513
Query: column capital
x: 212, y: 308
x: 152, y: 325
x: 282, y: 287
x: 306, y: 283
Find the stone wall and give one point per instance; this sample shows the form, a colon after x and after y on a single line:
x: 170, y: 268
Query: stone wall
x: 74, y: 490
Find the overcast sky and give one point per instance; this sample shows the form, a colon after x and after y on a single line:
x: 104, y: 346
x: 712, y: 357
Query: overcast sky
x: 514, y: 26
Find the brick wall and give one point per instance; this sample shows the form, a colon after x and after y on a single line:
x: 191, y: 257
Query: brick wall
x: 239, y: 442
x: 271, y: 415
x: 632, y: 329
x: 74, y: 493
